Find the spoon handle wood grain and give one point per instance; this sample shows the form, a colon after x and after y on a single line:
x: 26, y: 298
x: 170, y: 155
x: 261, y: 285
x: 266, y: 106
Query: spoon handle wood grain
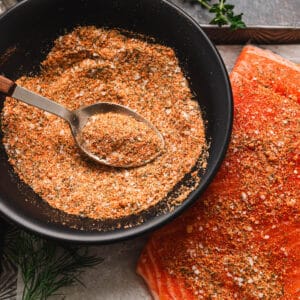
x: 6, y: 86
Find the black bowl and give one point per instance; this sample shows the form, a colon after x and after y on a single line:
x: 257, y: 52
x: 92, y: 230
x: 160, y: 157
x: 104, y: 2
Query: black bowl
x: 27, y: 34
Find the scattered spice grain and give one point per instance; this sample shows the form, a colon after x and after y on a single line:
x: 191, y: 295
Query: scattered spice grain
x: 92, y: 65
x: 120, y: 139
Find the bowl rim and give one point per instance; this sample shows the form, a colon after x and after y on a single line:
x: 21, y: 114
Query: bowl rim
x: 84, y: 237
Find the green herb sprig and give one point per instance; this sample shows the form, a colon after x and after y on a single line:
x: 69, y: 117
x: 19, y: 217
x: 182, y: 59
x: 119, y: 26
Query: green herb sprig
x: 46, y: 266
x: 224, y: 14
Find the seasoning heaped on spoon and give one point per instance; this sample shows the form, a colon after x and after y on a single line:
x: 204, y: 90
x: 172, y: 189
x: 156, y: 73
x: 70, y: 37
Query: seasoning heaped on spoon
x: 122, y: 149
x: 120, y: 139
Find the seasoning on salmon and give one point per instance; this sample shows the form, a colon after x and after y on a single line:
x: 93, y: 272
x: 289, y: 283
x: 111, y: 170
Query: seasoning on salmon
x: 241, y: 240
x: 120, y: 139
x: 91, y: 65
x: 270, y: 70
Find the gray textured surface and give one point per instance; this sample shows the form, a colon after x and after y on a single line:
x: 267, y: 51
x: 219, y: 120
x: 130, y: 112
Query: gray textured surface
x: 115, y: 278
x: 5, y: 4
x: 256, y: 12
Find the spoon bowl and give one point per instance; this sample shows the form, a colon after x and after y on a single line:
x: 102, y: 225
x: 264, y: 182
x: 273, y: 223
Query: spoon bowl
x: 83, y: 114
x: 77, y: 119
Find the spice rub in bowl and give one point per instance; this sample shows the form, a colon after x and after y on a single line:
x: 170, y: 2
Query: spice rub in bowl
x: 92, y: 65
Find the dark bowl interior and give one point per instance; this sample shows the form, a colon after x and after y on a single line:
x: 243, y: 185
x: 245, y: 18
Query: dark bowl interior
x: 27, y: 34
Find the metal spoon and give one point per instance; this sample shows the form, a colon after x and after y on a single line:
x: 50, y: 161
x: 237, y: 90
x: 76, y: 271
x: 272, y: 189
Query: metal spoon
x: 77, y: 118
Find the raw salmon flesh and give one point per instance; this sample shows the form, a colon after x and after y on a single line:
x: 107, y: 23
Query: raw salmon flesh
x: 241, y: 240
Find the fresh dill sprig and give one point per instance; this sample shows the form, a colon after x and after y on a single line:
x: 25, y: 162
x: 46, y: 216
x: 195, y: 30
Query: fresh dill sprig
x: 224, y: 14
x: 46, y: 266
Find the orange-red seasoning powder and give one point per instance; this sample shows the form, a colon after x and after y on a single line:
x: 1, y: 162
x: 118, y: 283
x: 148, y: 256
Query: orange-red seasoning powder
x: 120, y: 139
x: 92, y: 65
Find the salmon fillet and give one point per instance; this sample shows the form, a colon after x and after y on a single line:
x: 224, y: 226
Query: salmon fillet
x: 270, y: 70
x: 242, y: 239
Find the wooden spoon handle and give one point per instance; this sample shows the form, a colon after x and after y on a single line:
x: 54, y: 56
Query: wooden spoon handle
x: 6, y: 85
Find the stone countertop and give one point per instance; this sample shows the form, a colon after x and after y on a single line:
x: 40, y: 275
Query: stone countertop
x: 256, y: 13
